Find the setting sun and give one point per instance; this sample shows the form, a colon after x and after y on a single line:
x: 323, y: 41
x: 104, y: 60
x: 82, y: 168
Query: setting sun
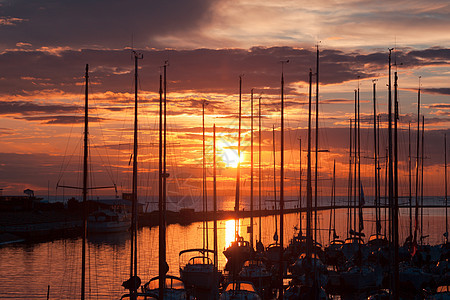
x: 230, y: 157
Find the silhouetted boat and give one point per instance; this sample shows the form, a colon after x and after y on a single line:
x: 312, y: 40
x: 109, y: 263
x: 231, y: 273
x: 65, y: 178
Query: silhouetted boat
x: 108, y: 221
x: 198, y: 271
x: 240, y: 290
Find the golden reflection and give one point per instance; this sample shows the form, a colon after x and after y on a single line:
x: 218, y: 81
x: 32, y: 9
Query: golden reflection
x: 229, y: 232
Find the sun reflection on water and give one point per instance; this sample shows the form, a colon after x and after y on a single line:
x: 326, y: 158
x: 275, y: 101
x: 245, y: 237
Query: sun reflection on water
x: 229, y: 232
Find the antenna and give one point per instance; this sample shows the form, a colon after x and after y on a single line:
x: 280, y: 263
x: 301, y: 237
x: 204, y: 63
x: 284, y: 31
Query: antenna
x: 138, y: 55
x: 282, y: 64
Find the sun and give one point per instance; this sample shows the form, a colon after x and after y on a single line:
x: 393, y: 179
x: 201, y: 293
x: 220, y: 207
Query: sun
x: 230, y: 157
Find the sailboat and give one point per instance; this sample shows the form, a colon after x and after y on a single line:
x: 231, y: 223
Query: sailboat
x: 85, y: 187
x: 376, y: 241
x: 240, y: 250
x: 199, y: 271
x: 308, y: 269
x: 273, y: 250
x: 333, y: 252
x: 134, y: 282
x: 164, y: 286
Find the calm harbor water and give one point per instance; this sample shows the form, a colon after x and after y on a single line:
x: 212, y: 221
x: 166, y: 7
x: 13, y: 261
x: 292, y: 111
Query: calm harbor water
x: 26, y: 270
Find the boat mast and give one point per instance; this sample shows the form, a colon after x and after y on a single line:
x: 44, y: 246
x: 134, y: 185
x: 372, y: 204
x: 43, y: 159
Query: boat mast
x: 377, y: 217
x: 216, y: 248
x: 300, y: 189
x: 251, y: 172
x: 332, y: 201
x: 395, y: 227
x: 378, y: 172
x: 355, y: 155
x: 238, y: 169
x: 205, y: 197
x: 308, y: 178
x: 391, y: 175
x: 417, y: 165
x: 135, y: 156
x: 421, y: 180
x: 275, y: 236
x: 445, y: 182
x: 163, y: 267
x: 350, y: 182
x: 360, y: 200
x: 282, y: 182
x: 259, y: 168
x: 85, y: 183
x: 317, y: 145
x: 409, y: 180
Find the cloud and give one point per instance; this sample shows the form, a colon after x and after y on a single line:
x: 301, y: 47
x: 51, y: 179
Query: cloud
x: 438, y: 91
x: 6, y: 131
x: 61, y: 119
x: 9, y: 21
x: 110, y: 24
x: 27, y: 108
x: 194, y: 71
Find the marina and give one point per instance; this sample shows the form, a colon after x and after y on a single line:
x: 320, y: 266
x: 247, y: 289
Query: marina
x: 224, y: 150
x: 56, y: 263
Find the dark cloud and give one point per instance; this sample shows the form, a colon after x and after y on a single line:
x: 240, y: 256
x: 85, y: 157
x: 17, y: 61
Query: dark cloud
x: 404, y: 119
x: 111, y: 24
x: 61, y: 119
x: 439, y: 105
x: 336, y: 101
x: 438, y: 91
x: 28, y: 108
x: 192, y: 71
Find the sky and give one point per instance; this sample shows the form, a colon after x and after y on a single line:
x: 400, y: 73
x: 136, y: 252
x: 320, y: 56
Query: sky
x: 44, y: 46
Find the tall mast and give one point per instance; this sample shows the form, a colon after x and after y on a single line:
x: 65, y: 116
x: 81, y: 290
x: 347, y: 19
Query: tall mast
x: 308, y: 178
x: 391, y: 167
x: 135, y: 158
x: 160, y: 182
x: 361, y: 222
x: 216, y: 248
x: 282, y: 182
x: 317, y: 145
x: 334, y: 198
x: 421, y: 180
x: 355, y: 155
x: 445, y: 182
x: 259, y: 168
x: 300, y: 188
x: 251, y: 172
x: 395, y: 228
x: 275, y: 236
x: 332, y: 201
x: 377, y: 217
x: 238, y: 170
x: 163, y: 267
x: 409, y: 180
x: 417, y: 165
x: 378, y: 172
x: 350, y: 182
x: 205, y: 196
x: 85, y: 183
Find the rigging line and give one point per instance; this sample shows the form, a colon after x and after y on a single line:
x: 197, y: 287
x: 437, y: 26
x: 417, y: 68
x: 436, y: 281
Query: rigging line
x: 65, y: 153
x: 96, y: 113
x: 81, y: 92
x: 77, y: 145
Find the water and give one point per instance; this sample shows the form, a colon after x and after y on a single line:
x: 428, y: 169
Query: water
x: 26, y: 270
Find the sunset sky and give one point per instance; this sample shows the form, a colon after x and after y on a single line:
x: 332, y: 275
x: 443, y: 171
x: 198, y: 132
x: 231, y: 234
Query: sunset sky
x: 208, y: 44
